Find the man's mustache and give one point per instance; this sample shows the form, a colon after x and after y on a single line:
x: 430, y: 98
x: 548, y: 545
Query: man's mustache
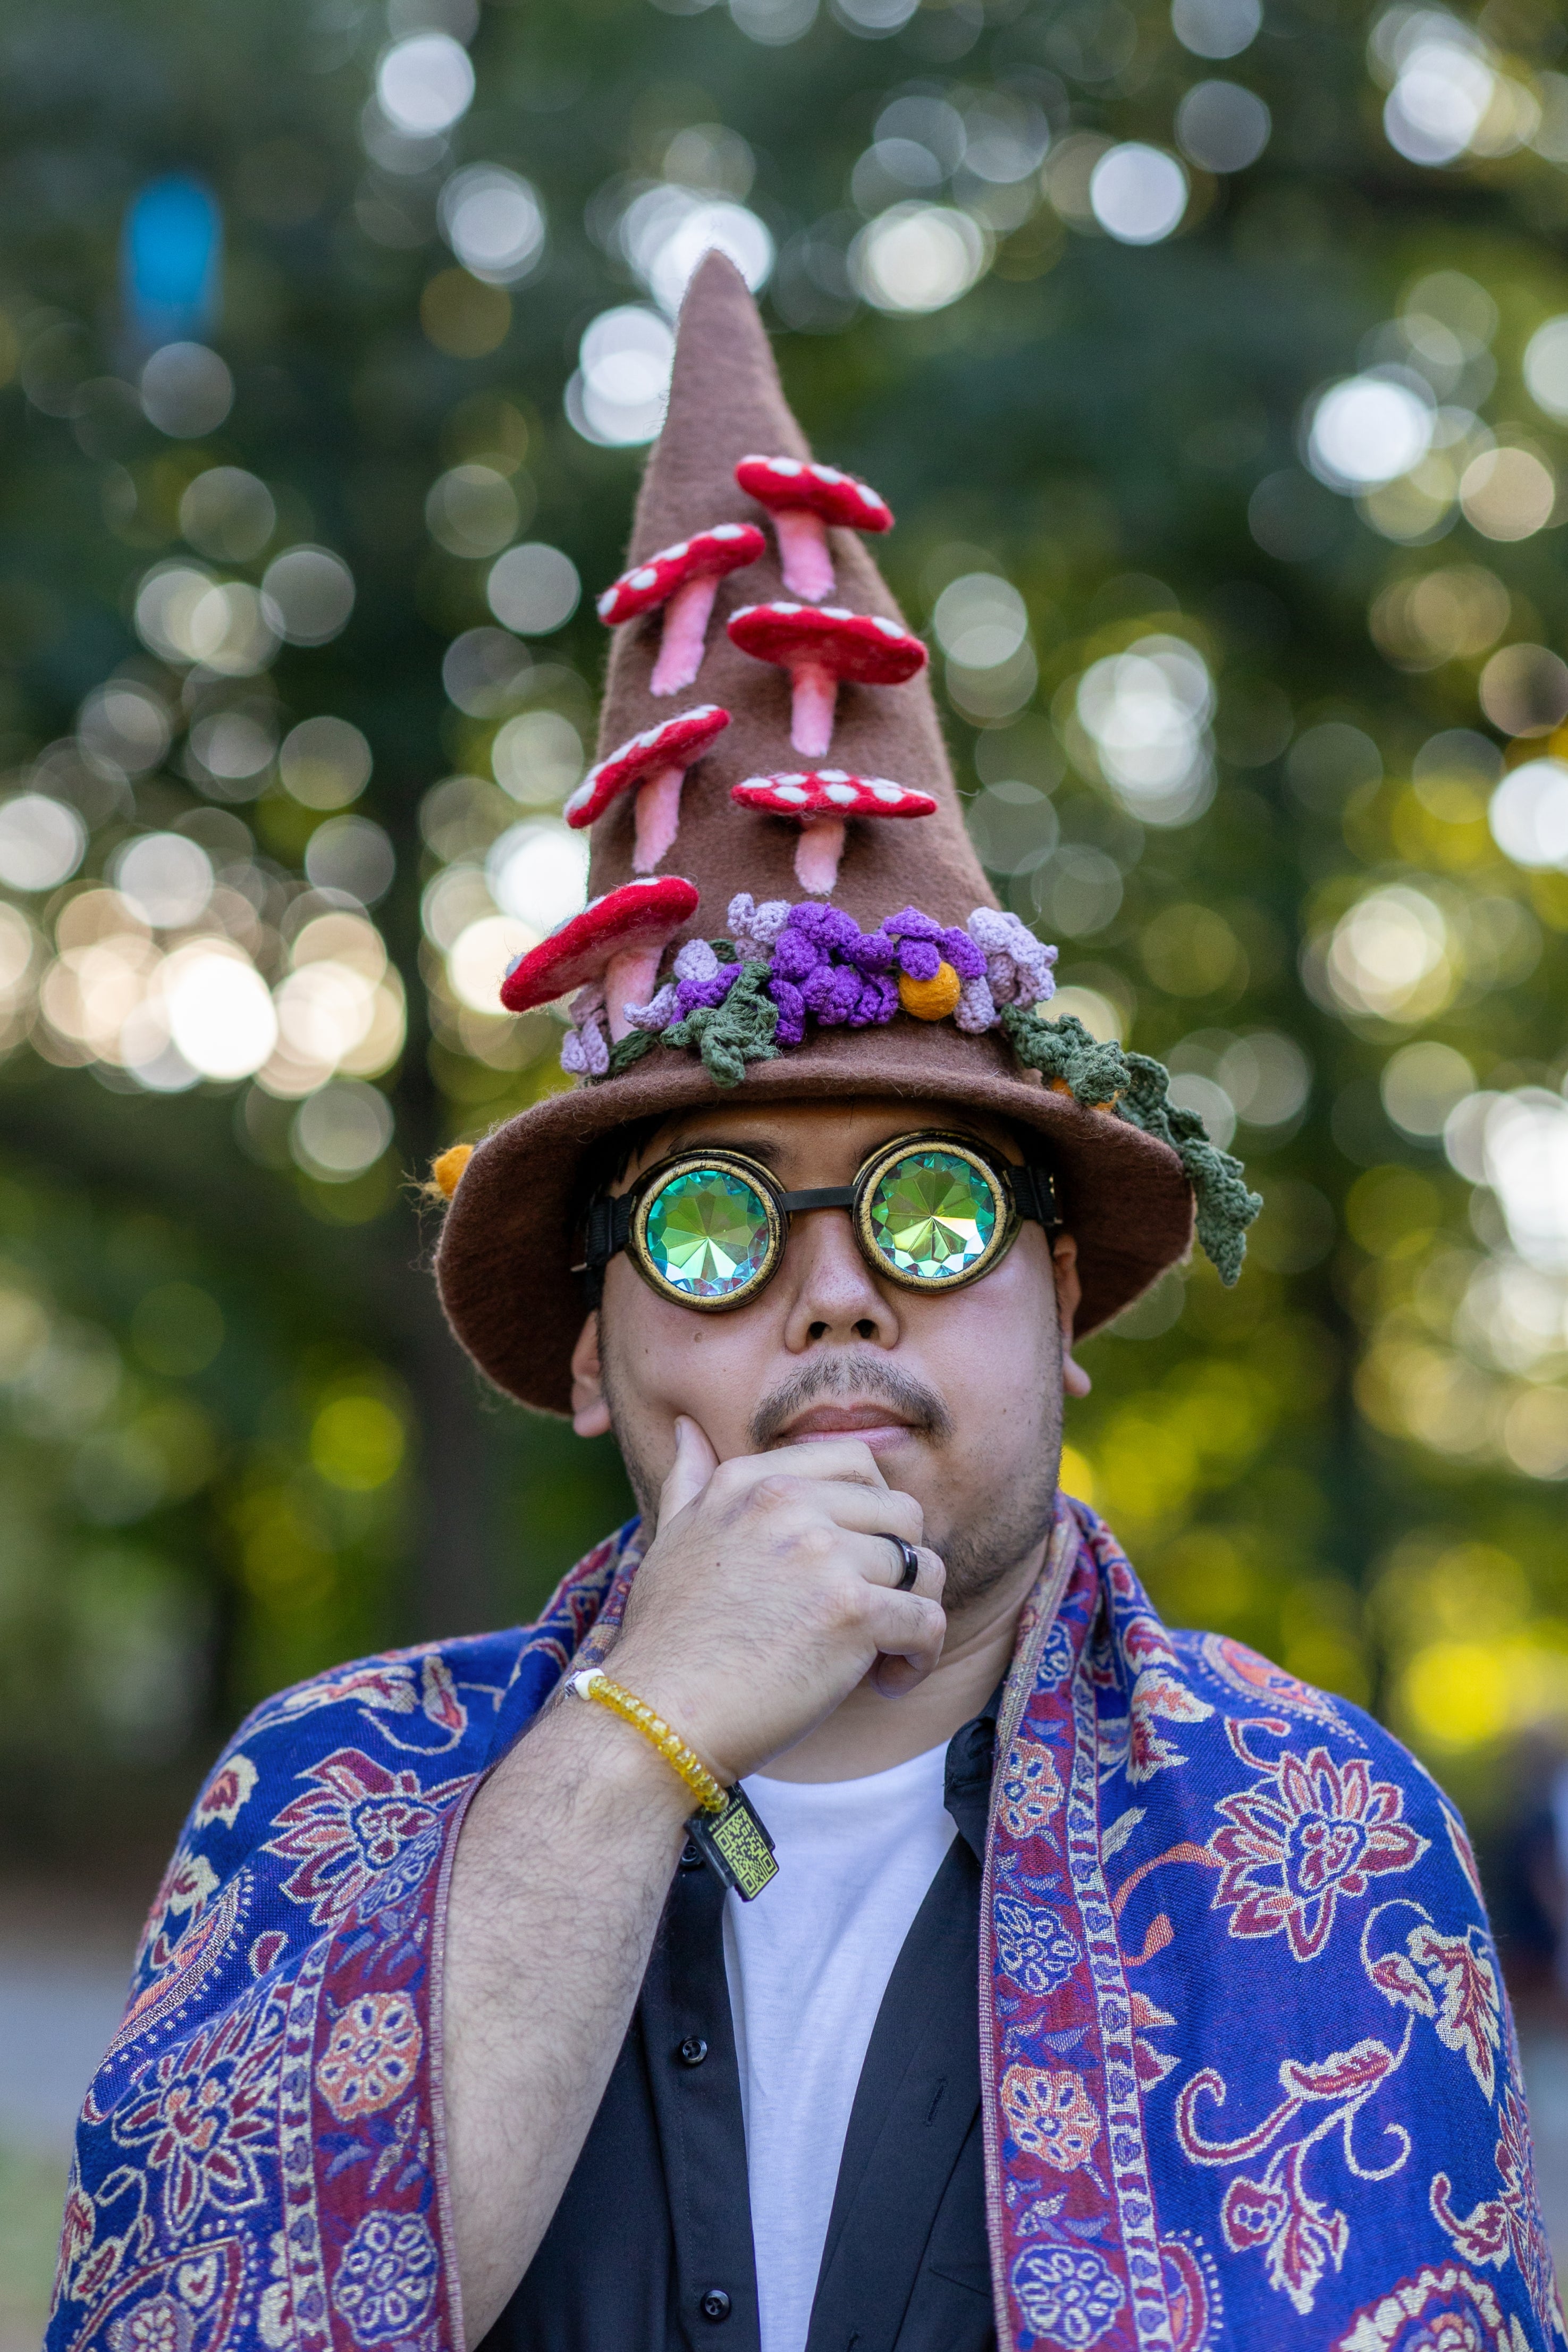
x: 862, y: 1376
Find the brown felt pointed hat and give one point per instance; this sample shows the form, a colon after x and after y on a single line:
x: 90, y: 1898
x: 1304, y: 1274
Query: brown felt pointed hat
x: 787, y: 1002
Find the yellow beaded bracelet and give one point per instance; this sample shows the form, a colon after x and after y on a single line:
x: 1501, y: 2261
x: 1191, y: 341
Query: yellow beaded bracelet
x: 594, y: 1684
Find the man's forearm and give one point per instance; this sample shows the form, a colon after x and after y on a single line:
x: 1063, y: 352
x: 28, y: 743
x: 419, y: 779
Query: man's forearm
x: 560, y: 1879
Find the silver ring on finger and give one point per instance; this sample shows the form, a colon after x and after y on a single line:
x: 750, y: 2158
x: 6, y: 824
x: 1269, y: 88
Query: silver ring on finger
x: 911, y: 1563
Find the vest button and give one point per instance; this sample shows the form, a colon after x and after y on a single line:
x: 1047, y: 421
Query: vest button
x: 715, y: 2304
x: 693, y: 2050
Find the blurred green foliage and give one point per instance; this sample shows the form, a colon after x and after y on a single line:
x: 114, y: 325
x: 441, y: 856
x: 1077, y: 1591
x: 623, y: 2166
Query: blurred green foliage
x: 237, y: 1441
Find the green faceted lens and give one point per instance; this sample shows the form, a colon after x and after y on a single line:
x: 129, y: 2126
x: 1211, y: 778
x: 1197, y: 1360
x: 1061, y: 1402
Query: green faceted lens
x: 932, y: 1217
x: 707, y: 1233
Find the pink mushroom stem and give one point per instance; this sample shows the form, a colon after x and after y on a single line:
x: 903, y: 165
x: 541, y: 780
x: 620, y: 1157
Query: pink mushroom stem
x: 658, y: 818
x: 685, y: 634
x: 803, y: 553
x: 629, y: 978
x: 816, y: 858
x: 813, y: 702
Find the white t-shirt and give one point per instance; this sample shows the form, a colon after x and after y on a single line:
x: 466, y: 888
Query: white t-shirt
x: 808, y: 1963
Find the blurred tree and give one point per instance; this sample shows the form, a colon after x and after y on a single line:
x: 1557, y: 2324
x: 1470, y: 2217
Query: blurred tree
x: 1213, y: 364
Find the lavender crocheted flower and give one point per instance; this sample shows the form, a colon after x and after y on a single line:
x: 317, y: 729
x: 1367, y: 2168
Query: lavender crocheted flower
x: 755, y: 929
x: 1018, y: 966
x: 586, y: 1050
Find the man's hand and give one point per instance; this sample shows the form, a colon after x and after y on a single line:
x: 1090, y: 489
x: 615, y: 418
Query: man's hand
x: 769, y: 1591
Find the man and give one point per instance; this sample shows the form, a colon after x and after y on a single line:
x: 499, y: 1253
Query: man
x: 849, y: 1918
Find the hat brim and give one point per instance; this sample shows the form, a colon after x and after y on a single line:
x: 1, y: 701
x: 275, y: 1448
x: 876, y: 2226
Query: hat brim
x: 511, y: 1231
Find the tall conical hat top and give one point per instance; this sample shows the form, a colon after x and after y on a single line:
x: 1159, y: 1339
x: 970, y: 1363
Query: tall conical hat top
x: 925, y: 991
x: 726, y: 403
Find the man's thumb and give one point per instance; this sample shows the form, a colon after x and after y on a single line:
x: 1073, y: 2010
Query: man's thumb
x: 694, y: 1464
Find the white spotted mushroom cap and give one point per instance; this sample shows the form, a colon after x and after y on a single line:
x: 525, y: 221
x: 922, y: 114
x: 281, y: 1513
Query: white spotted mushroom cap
x: 678, y: 743
x: 864, y: 647
x: 782, y: 484
x: 727, y: 547
x: 829, y: 792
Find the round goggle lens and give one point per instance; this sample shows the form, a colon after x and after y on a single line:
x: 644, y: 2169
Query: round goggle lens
x: 932, y: 1217
x: 707, y: 1233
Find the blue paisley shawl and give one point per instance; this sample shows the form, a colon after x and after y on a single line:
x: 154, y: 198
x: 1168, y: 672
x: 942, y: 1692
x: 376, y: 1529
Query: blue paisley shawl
x: 1249, y: 2076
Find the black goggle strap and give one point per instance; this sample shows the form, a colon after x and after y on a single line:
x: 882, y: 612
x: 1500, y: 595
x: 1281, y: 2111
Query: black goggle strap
x: 609, y: 1221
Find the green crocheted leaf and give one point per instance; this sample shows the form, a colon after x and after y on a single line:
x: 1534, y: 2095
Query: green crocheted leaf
x: 730, y: 1035
x: 628, y: 1050
x: 1137, y: 1088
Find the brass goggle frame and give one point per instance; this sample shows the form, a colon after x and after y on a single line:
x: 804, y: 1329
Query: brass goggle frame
x: 1019, y: 1192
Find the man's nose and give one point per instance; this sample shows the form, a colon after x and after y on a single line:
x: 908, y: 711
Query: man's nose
x: 832, y: 1292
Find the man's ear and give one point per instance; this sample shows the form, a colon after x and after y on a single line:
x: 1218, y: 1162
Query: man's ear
x: 1069, y: 1292
x: 590, y: 1412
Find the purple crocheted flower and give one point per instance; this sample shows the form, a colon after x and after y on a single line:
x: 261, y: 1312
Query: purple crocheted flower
x: 791, y: 1030
x: 797, y: 956
x: 833, y: 994
x: 909, y: 923
x: 960, y: 950
x: 879, y: 1002
x: 690, y: 994
x: 873, y: 951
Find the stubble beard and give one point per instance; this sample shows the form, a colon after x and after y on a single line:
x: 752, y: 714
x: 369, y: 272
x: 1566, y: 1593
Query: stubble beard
x: 981, y: 1549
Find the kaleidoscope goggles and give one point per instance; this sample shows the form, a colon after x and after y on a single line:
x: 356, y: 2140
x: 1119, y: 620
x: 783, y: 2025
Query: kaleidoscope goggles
x: 932, y: 1212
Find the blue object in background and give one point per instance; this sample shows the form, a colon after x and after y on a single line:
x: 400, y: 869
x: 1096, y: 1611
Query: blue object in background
x: 171, y: 258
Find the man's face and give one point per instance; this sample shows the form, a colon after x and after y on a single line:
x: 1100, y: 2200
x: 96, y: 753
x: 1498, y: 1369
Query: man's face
x: 960, y: 1397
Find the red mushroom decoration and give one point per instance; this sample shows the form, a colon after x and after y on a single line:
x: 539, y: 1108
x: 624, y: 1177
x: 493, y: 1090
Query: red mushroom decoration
x: 802, y: 500
x: 653, y: 764
x: 820, y: 803
x: 684, y: 579
x: 818, y: 645
x: 618, y: 939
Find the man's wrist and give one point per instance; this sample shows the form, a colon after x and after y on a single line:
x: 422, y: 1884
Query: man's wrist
x: 614, y: 1757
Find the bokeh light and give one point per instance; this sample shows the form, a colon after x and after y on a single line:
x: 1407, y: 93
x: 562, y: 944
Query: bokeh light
x: 186, y: 390
x: 534, y: 589
x: 165, y: 879
x: 424, y: 84
x: 1368, y: 429
x: 1546, y: 367
x: 494, y: 223
x: 324, y: 762
x: 1138, y: 193
x: 1148, y: 712
x: 228, y: 514
x: 537, y: 873
x: 617, y: 396
x: 41, y: 841
x: 1216, y: 28
x: 917, y: 258
x: 352, y: 854
x: 1528, y: 814
x: 342, y: 1130
x: 1222, y: 126
x: 309, y: 594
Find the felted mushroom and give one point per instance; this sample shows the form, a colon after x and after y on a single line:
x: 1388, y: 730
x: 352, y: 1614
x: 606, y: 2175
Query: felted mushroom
x: 685, y: 580
x: 818, y: 645
x: 653, y: 765
x: 802, y: 500
x: 821, y: 803
x: 618, y: 939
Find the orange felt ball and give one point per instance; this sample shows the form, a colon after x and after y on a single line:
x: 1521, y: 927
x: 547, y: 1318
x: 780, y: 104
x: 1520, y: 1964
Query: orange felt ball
x: 931, y: 1000
x: 448, y: 1166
